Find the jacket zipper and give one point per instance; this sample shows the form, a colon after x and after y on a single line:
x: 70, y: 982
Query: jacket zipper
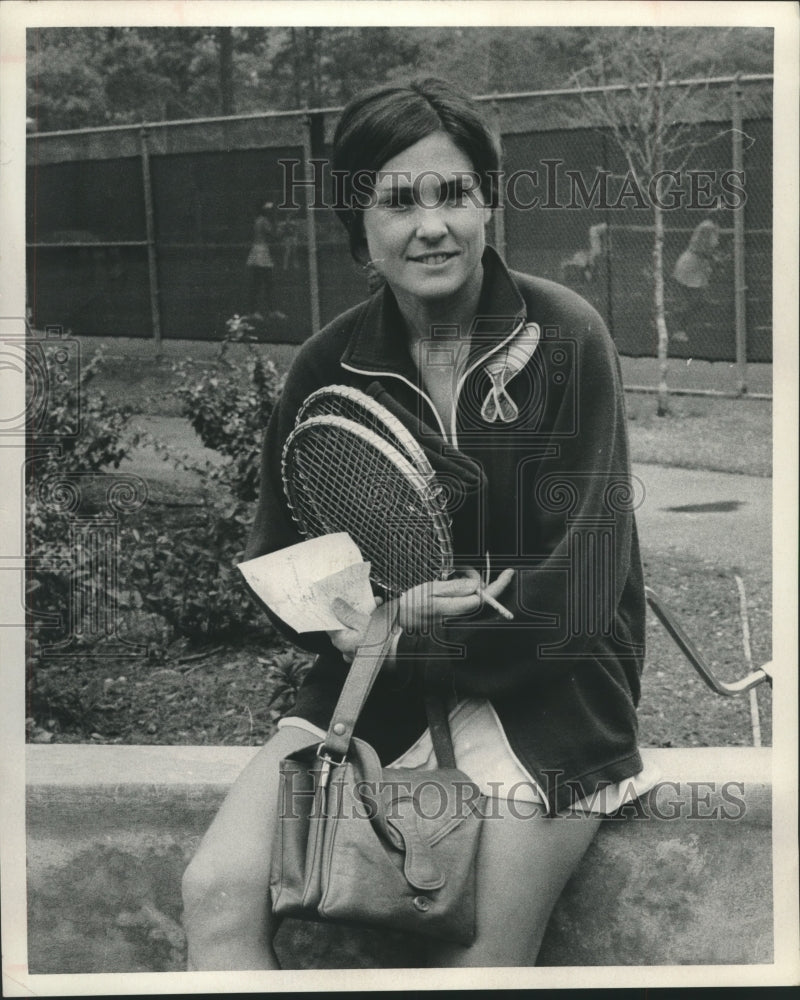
x: 419, y: 392
x: 470, y: 370
x: 453, y: 437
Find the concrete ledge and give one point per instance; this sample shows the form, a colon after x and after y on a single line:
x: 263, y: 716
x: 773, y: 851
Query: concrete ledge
x: 683, y: 879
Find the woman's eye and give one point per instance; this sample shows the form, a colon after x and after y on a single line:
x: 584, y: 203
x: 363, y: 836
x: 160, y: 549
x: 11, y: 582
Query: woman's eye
x: 457, y: 196
x: 394, y: 203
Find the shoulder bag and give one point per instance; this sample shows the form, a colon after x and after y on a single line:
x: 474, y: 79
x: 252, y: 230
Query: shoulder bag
x: 388, y: 847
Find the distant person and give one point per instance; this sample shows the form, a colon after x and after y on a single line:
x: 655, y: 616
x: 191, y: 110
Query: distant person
x: 585, y: 261
x: 289, y: 239
x: 692, y: 275
x: 260, y: 264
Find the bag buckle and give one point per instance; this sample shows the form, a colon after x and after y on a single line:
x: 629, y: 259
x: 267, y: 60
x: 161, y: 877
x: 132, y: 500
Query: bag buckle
x: 327, y: 763
x: 331, y: 761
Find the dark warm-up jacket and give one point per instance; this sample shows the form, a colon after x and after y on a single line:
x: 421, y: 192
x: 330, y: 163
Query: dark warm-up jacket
x: 557, y: 505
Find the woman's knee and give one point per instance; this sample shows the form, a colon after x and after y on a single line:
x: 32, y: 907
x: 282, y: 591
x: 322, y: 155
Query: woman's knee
x: 229, y: 873
x: 219, y: 903
x: 199, y: 884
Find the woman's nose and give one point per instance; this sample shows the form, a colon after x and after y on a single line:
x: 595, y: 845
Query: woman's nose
x: 430, y: 224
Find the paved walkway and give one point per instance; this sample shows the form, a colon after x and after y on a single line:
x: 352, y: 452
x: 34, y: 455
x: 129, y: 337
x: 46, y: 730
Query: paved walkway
x: 717, y: 516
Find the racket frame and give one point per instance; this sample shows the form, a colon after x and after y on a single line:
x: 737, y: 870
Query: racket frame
x: 423, y: 484
x: 339, y: 400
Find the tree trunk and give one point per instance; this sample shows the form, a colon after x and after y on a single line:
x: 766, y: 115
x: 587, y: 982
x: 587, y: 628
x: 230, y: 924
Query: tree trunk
x: 658, y: 310
x: 225, y: 43
x: 314, y: 56
x: 658, y: 244
x: 297, y: 68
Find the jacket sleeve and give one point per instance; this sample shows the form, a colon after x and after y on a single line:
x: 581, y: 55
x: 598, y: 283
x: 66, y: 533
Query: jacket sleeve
x: 576, y: 516
x: 273, y: 527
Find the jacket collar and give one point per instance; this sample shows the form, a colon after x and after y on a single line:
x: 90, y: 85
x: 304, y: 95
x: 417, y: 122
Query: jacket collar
x: 378, y: 345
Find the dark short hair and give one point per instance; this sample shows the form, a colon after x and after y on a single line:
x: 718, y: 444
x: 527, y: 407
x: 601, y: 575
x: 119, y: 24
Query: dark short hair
x: 381, y: 122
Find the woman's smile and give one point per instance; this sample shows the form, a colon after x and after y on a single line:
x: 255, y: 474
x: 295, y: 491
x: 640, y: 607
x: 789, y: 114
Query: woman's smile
x: 426, y: 226
x: 434, y: 259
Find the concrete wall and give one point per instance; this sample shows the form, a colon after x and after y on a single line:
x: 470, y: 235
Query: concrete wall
x: 685, y: 879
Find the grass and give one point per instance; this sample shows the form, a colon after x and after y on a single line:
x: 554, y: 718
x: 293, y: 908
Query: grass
x: 677, y: 709
x: 723, y: 435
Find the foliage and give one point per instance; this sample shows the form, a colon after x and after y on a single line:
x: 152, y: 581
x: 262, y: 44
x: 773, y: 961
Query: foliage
x: 189, y: 577
x: 76, y: 439
x: 229, y: 413
x: 189, y: 574
x: 90, y: 432
x: 318, y: 66
x: 63, y: 698
x: 82, y: 77
x: 78, y: 433
x: 285, y: 673
x: 79, y: 77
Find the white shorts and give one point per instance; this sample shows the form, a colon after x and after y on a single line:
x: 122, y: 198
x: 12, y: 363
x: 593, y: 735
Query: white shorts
x: 483, y: 752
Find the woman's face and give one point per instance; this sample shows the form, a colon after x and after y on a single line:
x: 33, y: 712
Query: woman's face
x: 426, y: 230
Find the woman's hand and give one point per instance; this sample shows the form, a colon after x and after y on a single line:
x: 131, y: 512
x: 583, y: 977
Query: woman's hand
x: 348, y: 639
x: 418, y: 608
x: 430, y: 602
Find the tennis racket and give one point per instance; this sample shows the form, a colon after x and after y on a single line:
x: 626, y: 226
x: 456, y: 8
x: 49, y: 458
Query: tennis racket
x: 341, y: 476
x: 351, y: 465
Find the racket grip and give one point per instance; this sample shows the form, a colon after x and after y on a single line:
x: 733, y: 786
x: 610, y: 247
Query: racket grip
x: 496, y: 605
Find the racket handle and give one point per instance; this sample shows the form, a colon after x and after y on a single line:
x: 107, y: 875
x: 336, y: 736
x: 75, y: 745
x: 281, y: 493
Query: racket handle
x: 496, y: 605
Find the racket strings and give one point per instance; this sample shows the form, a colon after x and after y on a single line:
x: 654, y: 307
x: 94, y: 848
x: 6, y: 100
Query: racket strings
x: 339, y: 478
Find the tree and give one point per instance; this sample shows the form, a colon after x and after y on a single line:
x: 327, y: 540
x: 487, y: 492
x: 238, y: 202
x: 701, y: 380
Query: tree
x: 225, y: 44
x: 316, y: 66
x: 84, y: 77
x: 651, y: 122
x: 66, y: 87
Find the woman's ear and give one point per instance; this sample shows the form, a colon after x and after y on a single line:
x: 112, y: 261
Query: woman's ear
x: 487, y: 215
x: 359, y: 251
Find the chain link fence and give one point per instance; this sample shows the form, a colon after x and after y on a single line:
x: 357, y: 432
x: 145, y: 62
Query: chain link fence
x: 145, y: 231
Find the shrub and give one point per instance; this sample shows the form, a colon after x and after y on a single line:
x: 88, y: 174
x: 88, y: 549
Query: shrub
x: 188, y: 574
x: 229, y: 410
x: 104, y: 441
x: 58, y: 575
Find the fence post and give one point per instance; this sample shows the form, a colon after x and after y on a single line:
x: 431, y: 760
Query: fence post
x: 152, y: 260
x: 311, y: 227
x: 739, y: 278
x: 609, y: 246
x: 499, y: 212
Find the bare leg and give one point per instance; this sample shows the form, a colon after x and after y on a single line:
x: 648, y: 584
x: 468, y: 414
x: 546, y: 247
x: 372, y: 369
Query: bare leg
x: 227, y: 916
x: 523, y: 865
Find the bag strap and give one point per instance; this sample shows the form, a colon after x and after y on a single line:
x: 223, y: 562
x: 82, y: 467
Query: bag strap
x: 439, y: 727
x: 360, y: 679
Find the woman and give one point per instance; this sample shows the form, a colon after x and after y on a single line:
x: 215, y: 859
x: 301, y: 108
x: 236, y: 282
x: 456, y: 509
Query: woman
x: 692, y: 275
x: 520, y: 375
x: 259, y: 263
